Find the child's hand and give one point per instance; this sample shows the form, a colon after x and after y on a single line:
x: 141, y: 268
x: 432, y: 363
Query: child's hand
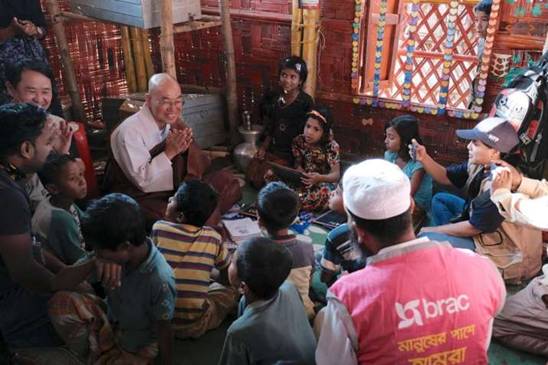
x: 311, y: 178
x: 418, y: 150
x: 109, y: 273
x: 261, y: 153
x: 514, y: 173
x: 64, y: 137
x: 502, y: 180
x: 427, y: 229
x: 85, y: 288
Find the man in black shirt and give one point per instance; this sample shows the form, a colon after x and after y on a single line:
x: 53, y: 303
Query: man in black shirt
x: 26, y: 272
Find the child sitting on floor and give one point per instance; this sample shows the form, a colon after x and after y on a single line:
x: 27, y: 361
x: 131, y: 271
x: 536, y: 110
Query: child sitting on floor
x: 284, y: 116
x: 340, y: 253
x: 192, y: 250
x: 57, y: 219
x: 141, y: 308
x: 475, y: 223
x: 272, y: 327
x: 277, y: 208
x: 399, y: 133
x: 317, y: 154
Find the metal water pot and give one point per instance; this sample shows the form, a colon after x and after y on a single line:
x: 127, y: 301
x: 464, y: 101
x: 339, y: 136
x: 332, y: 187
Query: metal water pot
x: 244, y: 152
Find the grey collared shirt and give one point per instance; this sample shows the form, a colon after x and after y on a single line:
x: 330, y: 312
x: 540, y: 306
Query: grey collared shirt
x: 147, y: 295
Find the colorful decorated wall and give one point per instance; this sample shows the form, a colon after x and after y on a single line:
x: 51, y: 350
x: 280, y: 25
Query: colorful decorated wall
x: 262, y: 34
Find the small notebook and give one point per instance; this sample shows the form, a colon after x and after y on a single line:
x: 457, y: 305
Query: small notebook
x: 287, y: 174
x: 242, y: 229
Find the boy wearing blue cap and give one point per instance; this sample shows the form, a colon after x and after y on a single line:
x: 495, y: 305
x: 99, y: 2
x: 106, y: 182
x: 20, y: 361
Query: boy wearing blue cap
x: 475, y: 223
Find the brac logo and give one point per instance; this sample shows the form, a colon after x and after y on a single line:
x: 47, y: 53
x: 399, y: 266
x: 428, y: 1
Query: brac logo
x: 413, y: 312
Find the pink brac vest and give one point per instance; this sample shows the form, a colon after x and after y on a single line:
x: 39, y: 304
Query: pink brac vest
x: 424, y: 304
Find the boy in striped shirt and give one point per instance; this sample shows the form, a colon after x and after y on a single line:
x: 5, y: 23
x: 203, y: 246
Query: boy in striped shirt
x: 193, y: 250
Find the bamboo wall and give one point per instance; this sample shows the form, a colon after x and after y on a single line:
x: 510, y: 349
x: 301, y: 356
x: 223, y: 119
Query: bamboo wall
x: 262, y: 37
x: 96, y: 51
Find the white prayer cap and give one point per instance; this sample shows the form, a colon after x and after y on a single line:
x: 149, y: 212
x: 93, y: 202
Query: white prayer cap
x: 376, y: 189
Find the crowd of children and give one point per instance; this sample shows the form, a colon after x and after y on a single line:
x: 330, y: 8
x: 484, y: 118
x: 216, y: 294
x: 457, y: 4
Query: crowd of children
x: 96, y: 281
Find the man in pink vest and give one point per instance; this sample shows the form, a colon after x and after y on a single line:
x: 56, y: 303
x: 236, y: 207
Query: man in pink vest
x: 416, y: 301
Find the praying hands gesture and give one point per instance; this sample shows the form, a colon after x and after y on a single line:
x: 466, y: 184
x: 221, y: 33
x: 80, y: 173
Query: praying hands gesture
x: 178, y: 141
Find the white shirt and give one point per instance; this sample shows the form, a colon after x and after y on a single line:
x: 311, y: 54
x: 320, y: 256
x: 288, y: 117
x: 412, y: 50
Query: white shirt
x: 529, y: 205
x: 35, y: 190
x: 131, y: 142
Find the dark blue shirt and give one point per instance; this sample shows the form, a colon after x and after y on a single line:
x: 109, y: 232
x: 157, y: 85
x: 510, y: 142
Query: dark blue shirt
x: 24, y: 319
x: 479, y: 210
x: 15, y: 218
x: 339, y: 253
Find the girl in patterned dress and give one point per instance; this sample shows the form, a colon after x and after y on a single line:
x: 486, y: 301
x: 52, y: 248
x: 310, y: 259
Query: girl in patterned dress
x: 316, y: 154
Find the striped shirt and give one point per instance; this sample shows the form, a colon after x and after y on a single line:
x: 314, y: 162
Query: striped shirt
x: 192, y: 252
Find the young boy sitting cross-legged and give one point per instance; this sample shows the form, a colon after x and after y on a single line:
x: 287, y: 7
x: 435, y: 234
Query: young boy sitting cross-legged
x: 138, y: 326
x: 272, y: 327
x: 57, y: 219
x: 193, y: 250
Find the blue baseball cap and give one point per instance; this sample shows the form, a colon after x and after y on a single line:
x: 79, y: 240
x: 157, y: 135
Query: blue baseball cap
x: 497, y: 133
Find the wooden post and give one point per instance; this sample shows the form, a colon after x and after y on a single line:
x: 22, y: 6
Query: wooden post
x: 231, y: 89
x: 69, y: 75
x: 296, y: 28
x: 138, y: 58
x: 128, y: 60
x: 167, y: 47
x: 310, y: 47
x: 146, y: 53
